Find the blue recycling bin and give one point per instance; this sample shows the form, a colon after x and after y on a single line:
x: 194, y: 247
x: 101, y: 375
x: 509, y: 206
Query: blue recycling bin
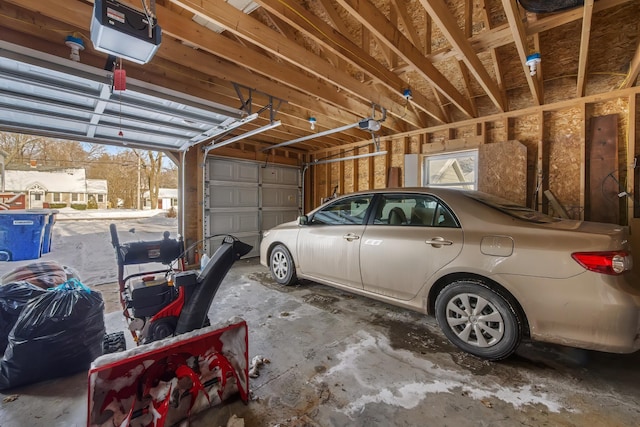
x: 48, y: 231
x: 21, y: 234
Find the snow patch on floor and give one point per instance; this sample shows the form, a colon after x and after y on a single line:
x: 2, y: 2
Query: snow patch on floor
x: 406, y: 392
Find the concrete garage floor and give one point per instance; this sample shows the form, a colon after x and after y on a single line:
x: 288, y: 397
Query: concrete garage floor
x: 342, y: 360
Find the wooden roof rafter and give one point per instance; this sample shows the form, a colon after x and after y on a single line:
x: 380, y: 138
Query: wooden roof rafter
x: 512, y: 11
x: 584, y: 46
x: 236, y: 22
x: 369, y: 16
x: 634, y: 69
x: 326, y: 36
x: 449, y: 27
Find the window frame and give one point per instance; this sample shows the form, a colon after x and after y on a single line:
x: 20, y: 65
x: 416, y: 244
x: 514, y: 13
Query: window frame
x: 468, y: 185
x: 365, y: 217
x: 440, y: 206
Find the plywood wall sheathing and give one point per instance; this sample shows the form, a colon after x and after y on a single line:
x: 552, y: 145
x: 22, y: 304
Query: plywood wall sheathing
x: 562, y: 137
x: 526, y: 129
x: 502, y: 170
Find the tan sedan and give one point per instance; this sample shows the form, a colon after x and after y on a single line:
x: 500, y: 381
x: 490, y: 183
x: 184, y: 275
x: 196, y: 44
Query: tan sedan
x: 490, y: 271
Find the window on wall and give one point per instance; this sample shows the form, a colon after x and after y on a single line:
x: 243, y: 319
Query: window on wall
x: 56, y: 197
x: 455, y: 170
x: 100, y: 198
x: 77, y: 197
x: 37, y: 196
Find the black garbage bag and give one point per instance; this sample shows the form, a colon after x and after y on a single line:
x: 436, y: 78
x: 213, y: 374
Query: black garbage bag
x: 57, y: 333
x: 13, y: 297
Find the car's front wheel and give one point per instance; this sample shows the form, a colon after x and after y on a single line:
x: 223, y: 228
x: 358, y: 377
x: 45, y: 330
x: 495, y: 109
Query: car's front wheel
x: 478, y: 319
x: 281, y: 265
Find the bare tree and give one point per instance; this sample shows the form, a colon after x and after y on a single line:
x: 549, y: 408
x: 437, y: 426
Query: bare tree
x: 121, y: 172
x: 19, y: 149
x: 151, y: 164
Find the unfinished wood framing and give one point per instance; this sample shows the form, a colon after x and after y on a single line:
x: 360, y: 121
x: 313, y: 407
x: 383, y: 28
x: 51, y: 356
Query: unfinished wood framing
x: 553, y: 140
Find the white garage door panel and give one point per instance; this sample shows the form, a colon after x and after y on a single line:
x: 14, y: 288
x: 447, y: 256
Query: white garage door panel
x: 244, y: 198
x: 225, y: 170
x: 224, y: 196
x: 271, y: 219
x: 279, y: 197
x: 279, y: 175
x: 249, y: 239
x: 234, y: 222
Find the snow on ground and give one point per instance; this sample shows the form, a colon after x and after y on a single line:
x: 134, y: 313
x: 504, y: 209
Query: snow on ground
x: 81, y: 240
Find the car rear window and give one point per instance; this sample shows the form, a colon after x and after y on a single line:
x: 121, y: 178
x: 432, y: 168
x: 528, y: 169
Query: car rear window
x: 511, y: 208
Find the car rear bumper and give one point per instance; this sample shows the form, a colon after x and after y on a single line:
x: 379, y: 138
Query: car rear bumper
x: 590, y: 310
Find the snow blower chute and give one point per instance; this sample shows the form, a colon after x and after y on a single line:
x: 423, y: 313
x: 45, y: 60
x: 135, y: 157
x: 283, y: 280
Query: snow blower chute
x: 183, y: 365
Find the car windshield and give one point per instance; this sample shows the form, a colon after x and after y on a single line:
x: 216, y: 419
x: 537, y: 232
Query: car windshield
x: 511, y: 208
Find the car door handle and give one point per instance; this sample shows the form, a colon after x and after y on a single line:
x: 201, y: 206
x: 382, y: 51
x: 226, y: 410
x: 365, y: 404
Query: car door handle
x: 350, y: 237
x: 437, y: 242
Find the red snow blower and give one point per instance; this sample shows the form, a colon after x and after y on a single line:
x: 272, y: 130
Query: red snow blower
x: 182, y: 365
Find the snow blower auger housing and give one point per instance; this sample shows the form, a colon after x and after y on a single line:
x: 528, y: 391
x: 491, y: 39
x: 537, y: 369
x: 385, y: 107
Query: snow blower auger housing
x: 185, y: 365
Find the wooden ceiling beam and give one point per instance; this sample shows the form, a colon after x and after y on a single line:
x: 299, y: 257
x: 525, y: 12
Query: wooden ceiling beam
x: 512, y: 11
x: 634, y: 69
x: 501, y: 35
x: 401, y: 9
x: 326, y: 36
x: 369, y: 16
x: 236, y: 22
x: 584, y: 46
x: 194, y: 60
x: 467, y: 85
x: 334, y: 17
x: 441, y: 15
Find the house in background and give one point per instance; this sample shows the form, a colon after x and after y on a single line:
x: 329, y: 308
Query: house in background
x: 55, y: 187
x: 167, y: 198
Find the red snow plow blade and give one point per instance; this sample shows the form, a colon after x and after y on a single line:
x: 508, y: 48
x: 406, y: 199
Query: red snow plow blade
x: 166, y: 381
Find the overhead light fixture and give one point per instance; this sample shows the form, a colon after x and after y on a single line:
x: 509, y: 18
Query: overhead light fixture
x: 76, y: 44
x: 120, y: 30
x: 244, y: 135
x: 532, y: 62
x: 342, y: 159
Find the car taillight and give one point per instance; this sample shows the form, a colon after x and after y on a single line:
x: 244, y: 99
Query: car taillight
x: 610, y: 262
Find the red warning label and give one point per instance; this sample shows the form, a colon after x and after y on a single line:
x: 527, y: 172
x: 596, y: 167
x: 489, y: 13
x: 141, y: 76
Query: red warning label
x: 114, y: 14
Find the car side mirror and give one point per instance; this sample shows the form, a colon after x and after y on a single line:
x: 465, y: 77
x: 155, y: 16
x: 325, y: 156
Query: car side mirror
x: 303, y: 220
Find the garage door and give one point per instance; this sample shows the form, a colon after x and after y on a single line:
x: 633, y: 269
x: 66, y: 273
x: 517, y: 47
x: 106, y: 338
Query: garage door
x: 244, y: 198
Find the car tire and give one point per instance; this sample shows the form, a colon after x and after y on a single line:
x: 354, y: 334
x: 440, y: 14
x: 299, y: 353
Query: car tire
x: 493, y: 333
x: 281, y: 266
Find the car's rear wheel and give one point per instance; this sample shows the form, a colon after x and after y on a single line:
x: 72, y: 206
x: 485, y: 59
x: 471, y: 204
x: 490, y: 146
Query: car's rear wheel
x: 281, y: 265
x: 478, y: 319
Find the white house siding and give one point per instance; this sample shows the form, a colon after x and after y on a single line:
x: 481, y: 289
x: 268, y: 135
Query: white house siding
x: 70, y: 186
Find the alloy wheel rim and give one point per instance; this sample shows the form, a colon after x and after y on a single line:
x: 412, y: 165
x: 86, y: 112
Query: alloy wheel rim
x: 475, y: 320
x: 280, y: 265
